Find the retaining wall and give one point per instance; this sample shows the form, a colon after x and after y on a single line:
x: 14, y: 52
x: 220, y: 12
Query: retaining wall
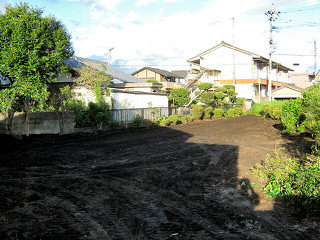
x: 40, y: 123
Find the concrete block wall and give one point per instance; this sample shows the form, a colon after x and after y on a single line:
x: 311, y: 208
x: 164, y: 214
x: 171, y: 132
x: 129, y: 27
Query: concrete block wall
x: 40, y: 123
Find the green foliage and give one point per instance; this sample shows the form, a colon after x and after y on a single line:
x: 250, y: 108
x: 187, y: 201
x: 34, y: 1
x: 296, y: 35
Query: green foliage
x: 138, y: 122
x: 240, y: 100
x: 174, y: 119
x: 204, y: 86
x: 158, y: 119
x: 230, y: 87
x: 152, y: 81
x: 221, y: 89
x: 208, y: 112
x: 294, y: 180
x: 186, y: 118
x: 231, y: 113
x: 98, y: 113
x: 208, y: 98
x: 256, y: 109
x: 32, y: 50
x: 219, y: 96
x: 81, y: 117
x: 311, y: 110
x: 273, y: 111
x: 232, y: 95
x: 179, y: 97
x: 291, y: 114
x: 218, y: 113
x: 197, y: 112
x: 238, y: 111
x: 114, y: 124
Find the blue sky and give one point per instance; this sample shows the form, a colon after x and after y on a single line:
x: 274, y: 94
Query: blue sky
x: 165, y: 33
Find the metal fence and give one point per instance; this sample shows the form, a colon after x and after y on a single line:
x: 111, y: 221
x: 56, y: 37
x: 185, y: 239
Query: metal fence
x: 127, y: 115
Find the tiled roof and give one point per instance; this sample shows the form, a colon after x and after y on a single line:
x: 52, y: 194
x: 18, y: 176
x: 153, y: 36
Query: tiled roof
x: 180, y: 73
x: 114, y: 73
x: 156, y: 70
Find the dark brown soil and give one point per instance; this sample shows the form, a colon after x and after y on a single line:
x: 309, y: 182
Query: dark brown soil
x: 185, y: 182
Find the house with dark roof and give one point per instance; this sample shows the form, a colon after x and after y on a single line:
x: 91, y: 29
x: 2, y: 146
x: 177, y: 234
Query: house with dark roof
x: 227, y: 64
x: 181, y: 75
x: 127, y: 91
x: 166, y: 78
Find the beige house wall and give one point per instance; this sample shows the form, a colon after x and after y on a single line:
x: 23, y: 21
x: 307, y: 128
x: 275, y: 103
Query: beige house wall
x: 301, y: 80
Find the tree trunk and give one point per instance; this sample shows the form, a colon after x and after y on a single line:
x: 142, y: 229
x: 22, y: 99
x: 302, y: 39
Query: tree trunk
x: 10, y: 120
x: 28, y: 121
x: 60, y: 116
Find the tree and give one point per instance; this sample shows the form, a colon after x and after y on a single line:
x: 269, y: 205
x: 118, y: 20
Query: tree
x: 94, y: 77
x: 179, y: 96
x: 204, y: 86
x: 32, y: 50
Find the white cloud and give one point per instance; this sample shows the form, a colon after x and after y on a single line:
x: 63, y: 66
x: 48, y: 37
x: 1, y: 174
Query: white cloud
x: 171, y: 1
x: 182, y: 35
x: 144, y: 2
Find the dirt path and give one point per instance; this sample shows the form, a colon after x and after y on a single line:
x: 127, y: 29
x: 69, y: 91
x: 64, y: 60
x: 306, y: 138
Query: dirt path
x: 184, y: 182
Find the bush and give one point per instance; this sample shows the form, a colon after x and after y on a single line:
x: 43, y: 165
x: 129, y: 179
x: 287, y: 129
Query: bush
x: 208, y: 112
x: 204, y: 86
x: 291, y: 114
x: 173, y: 120
x: 81, y: 118
x: 238, y: 111
x: 197, y: 112
x: 294, y: 180
x: 231, y: 112
x: 240, y: 101
x: 208, y: 98
x: 138, y: 122
x: 114, y: 124
x: 230, y: 87
x: 158, y: 119
x: 186, y: 118
x: 179, y: 97
x: 218, y: 113
x: 221, y: 89
x: 256, y: 109
x: 273, y: 111
x: 99, y: 113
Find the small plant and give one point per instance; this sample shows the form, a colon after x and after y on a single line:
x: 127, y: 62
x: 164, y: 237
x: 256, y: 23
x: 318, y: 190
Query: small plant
x: 238, y: 111
x: 186, y: 118
x: 197, y: 112
x: 218, y: 113
x: 231, y: 112
x: 208, y: 112
x: 137, y: 122
x: 173, y: 120
x: 296, y: 180
x: 114, y: 124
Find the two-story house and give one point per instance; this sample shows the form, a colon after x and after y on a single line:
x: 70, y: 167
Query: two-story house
x: 225, y: 64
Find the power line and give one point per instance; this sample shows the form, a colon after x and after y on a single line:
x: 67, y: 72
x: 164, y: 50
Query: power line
x: 300, y: 9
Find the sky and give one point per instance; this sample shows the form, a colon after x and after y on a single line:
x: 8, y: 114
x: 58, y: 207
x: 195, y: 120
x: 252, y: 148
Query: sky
x: 164, y: 34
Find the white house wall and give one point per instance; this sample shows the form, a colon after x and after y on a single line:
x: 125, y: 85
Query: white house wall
x: 245, y: 90
x: 222, y: 59
x: 129, y: 100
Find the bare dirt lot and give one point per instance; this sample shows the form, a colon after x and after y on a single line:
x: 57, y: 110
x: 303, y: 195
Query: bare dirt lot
x: 185, y: 182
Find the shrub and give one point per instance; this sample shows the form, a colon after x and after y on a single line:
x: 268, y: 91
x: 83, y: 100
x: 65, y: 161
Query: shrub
x: 273, y: 111
x: 179, y: 97
x: 230, y: 87
x: 240, y: 100
x: 204, y: 86
x: 208, y: 111
x: 238, y: 111
x: 99, y: 113
x: 296, y: 181
x: 291, y: 113
x: 218, y: 113
x: 164, y: 122
x: 256, y: 109
x: 114, y: 124
x: 173, y: 120
x: 197, y: 112
x: 158, y: 119
x: 221, y: 89
x: 186, y: 118
x: 81, y: 118
x: 138, y: 122
x: 208, y: 98
x: 231, y: 112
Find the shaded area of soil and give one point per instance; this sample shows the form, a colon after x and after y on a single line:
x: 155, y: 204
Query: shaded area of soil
x: 185, y: 182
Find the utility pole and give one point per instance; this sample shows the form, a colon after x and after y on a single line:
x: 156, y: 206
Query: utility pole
x: 233, y: 57
x: 272, y: 17
x: 315, y: 57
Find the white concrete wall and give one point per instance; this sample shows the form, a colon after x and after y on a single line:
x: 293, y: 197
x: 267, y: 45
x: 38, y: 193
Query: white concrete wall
x: 245, y: 91
x: 128, y: 100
